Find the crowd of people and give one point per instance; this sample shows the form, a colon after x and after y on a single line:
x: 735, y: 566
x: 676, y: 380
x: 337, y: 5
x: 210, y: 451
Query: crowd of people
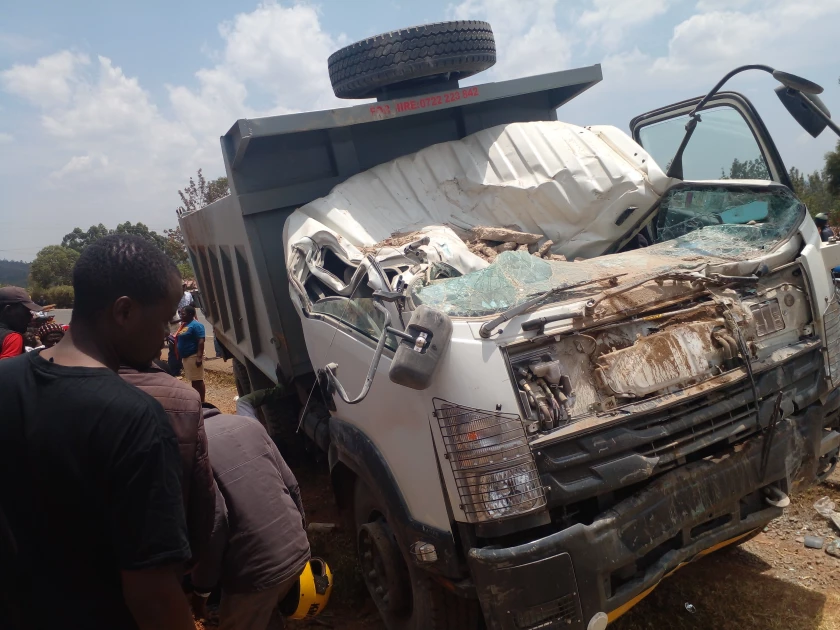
x: 119, y: 485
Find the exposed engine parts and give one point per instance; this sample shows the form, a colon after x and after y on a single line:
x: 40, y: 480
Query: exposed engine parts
x: 598, y: 368
x: 548, y: 391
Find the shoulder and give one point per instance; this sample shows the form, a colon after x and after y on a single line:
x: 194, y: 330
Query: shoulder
x: 172, y: 393
x: 197, y: 326
x: 222, y: 424
x: 13, y: 366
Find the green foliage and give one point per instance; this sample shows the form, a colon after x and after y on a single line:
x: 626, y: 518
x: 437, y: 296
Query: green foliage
x: 832, y: 170
x: 60, y: 295
x: 13, y: 272
x: 78, y: 240
x: 140, y: 229
x: 53, y: 266
x: 186, y: 271
x: 813, y: 190
x: 199, y: 193
x: 748, y: 169
x: 176, y: 249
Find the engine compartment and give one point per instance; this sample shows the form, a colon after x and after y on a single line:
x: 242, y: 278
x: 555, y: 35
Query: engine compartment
x: 687, y: 338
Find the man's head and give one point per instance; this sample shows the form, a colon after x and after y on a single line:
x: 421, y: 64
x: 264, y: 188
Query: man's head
x: 821, y: 220
x: 16, y: 308
x: 127, y: 289
x: 50, y: 334
x: 188, y: 314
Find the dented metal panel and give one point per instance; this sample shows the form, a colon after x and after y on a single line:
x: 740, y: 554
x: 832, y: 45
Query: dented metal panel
x: 680, y: 355
x: 569, y: 183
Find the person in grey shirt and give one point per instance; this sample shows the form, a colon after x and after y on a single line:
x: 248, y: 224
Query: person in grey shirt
x: 258, y: 547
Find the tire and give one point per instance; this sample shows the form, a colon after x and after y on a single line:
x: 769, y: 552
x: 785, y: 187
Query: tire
x: 459, y: 49
x: 426, y: 605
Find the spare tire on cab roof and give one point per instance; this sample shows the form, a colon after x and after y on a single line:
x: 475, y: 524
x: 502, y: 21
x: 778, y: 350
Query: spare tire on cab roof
x: 444, y: 50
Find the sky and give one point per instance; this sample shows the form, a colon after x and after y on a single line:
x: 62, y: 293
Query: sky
x: 107, y: 108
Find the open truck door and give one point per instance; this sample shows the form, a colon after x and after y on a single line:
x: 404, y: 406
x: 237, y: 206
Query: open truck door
x: 730, y: 140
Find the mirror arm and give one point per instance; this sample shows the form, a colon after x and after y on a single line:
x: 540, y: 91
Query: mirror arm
x: 676, y: 168
x: 727, y: 76
x: 330, y: 369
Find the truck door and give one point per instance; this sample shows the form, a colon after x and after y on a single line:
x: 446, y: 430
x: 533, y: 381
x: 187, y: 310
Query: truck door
x: 730, y: 141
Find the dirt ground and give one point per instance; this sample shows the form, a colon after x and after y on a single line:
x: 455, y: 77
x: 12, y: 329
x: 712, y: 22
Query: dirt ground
x: 772, y: 582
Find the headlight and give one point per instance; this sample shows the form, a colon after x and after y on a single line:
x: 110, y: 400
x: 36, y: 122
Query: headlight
x: 492, y: 463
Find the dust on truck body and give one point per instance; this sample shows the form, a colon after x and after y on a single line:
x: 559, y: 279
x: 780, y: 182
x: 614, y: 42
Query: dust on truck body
x: 589, y: 371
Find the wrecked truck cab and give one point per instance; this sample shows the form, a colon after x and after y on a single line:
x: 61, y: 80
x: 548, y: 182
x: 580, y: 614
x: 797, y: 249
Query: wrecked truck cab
x: 621, y: 370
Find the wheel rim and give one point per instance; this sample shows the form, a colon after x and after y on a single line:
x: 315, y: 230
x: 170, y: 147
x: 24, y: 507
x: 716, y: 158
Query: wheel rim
x: 383, y: 569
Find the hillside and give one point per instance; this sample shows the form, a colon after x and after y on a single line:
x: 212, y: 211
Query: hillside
x: 14, y: 272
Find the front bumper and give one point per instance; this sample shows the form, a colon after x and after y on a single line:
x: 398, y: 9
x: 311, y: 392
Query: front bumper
x: 562, y: 580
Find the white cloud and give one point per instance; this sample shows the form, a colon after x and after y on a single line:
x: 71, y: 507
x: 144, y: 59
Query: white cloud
x: 81, y: 164
x: 276, y: 53
x: 610, y: 20
x: 774, y: 32
x: 48, y: 82
x: 528, y: 41
x: 6, y: 138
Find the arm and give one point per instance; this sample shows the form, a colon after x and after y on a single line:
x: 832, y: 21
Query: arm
x: 156, y: 600
x: 288, y: 478
x: 208, y: 571
x: 202, y: 503
x: 199, y: 356
x: 12, y: 346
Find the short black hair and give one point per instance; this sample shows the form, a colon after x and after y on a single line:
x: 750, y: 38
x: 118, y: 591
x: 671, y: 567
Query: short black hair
x: 189, y: 309
x: 117, y: 265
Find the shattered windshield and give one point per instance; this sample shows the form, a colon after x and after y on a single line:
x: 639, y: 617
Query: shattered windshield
x: 694, y: 226
x: 726, y: 222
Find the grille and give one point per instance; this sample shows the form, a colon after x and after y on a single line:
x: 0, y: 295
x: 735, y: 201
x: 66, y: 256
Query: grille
x: 768, y: 317
x: 494, y: 469
x: 559, y: 613
x: 616, y: 456
x: 831, y: 319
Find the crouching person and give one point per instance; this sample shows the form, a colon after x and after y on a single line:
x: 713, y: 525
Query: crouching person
x: 258, y: 548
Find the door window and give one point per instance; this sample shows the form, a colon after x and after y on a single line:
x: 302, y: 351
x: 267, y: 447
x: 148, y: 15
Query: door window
x: 722, y: 147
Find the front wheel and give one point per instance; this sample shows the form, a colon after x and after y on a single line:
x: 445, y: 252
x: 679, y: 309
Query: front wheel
x: 407, y: 598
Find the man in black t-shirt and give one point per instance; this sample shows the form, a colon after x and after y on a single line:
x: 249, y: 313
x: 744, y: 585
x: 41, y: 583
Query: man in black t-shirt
x: 89, y: 465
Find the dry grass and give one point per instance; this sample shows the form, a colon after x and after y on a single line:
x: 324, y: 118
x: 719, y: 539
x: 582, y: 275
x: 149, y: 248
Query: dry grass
x: 731, y: 590
x: 221, y: 390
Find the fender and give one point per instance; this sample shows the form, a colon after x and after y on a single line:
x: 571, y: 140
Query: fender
x: 354, y: 449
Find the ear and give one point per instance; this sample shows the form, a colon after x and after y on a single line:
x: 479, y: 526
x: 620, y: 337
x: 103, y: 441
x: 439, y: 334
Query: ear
x: 123, y: 310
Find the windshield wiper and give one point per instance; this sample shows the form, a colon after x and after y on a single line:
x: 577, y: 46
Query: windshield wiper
x: 487, y: 327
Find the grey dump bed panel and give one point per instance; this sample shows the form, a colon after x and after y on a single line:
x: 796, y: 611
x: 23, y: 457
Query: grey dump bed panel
x: 275, y: 165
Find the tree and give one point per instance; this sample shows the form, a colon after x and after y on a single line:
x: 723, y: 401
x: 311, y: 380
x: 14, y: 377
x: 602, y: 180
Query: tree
x: 832, y: 170
x: 140, y: 229
x: 176, y: 249
x: 53, y: 266
x: 813, y: 190
x: 78, y: 240
x: 200, y: 193
x: 748, y: 169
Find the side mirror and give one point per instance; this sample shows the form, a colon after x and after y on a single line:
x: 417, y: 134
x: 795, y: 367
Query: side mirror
x: 797, y: 103
x: 416, y: 360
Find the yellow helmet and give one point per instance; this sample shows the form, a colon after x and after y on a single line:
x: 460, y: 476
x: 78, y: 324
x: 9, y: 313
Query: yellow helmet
x: 310, y: 595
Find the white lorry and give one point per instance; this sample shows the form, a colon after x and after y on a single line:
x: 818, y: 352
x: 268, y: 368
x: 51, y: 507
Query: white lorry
x: 590, y: 370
